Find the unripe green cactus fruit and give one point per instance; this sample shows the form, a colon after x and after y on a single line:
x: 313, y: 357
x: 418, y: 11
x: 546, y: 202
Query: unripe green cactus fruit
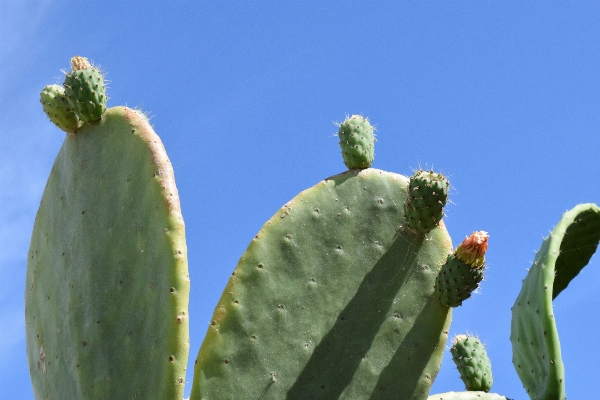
x: 85, y: 90
x: 534, y: 337
x: 463, y: 271
x: 470, y: 357
x: 57, y: 109
x: 357, y: 141
x: 330, y: 300
x: 107, y: 283
x: 427, y: 196
x: 467, y: 396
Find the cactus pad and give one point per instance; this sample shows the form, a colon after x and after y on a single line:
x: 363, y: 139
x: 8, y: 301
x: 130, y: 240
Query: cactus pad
x: 85, y: 90
x: 57, y: 109
x: 470, y: 357
x: 427, y: 196
x: 107, y: 284
x: 467, y: 396
x: 330, y: 300
x: 357, y: 142
x: 536, y: 348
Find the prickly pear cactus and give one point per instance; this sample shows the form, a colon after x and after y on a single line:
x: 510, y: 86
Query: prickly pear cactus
x: 357, y: 141
x: 427, y: 196
x: 332, y: 299
x: 536, y: 348
x: 463, y: 271
x: 57, y: 109
x: 470, y: 357
x: 107, y: 283
x: 467, y: 396
x: 85, y: 90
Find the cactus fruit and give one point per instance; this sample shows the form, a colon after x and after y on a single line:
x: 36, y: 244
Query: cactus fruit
x: 463, y: 271
x: 536, y: 348
x: 357, y: 141
x: 85, y: 90
x: 467, y: 396
x: 57, y: 109
x: 330, y: 300
x: 107, y: 284
x: 424, y: 207
x: 470, y: 357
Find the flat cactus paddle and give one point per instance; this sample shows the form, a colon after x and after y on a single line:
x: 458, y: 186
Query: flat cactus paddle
x: 107, y: 283
x: 467, y: 396
x: 332, y: 299
x: 536, y: 348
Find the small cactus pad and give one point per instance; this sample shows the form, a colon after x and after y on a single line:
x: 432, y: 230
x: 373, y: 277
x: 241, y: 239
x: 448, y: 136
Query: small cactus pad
x: 470, y: 357
x: 463, y: 271
x: 357, y: 141
x: 467, y: 396
x: 57, y: 109
x: 85, y: 90
x: 107, y: 285
x: 330, y: 300
x: 534, y: 337
x: 424, y: 207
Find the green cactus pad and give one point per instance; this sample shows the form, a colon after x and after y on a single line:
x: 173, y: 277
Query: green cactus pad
x: 330, y: 300
x: 424, y: 207
x: 57, y: 109
x: 86, y: 93
x: 357, y: 141
x: 456, y: 282
x: 107, y: 283
x: 467, y: 396
x: 470, y: 357
x: 536, y: 348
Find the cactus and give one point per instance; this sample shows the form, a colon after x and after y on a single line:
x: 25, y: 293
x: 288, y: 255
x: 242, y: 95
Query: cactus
x: 424, y: 207
x: 463, y: 271
x: 331, y: 300
x: 467, y: 396
x: 536, y: 348
x: 470, y: 357
x: 107, y: 283
x: 85, y: 90
x: 357, y: 142
x: 57, y: 109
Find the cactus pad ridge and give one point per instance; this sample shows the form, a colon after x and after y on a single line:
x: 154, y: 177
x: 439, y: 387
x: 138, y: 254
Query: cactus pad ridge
x: 107, y: 283
x: 534, y: 337
x: 85, y: 90
x: 424, y: 207
x: 330, y: 301
x: 57, y: 109
x: 357, y: 142
x: 470, y: 357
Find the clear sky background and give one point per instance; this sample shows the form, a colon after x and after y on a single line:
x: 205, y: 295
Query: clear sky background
x: 504, y: 97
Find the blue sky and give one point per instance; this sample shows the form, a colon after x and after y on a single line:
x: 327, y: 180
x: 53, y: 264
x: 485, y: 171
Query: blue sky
x: 504, y: 97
